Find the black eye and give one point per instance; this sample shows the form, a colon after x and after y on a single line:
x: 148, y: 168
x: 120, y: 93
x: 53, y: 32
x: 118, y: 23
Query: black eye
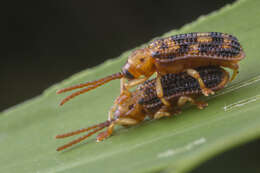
x: 127, y: 74
x: 130, y: 106
x: 142, y: 59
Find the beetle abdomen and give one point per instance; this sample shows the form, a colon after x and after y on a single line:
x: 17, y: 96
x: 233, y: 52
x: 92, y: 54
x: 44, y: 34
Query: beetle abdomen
x: 203, y: 45
x: 176, y: 85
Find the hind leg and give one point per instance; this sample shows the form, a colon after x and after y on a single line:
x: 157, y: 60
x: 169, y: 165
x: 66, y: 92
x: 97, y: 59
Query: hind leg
x: 234, y: 67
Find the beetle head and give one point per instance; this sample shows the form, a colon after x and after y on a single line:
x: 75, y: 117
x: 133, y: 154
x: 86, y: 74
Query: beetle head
x: 140, y: 62
x: 127, y: 106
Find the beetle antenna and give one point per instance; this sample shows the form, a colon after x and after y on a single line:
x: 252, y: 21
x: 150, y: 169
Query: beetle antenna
x: 95, y: 83
x: 106, y: 123
x: 99, y: 127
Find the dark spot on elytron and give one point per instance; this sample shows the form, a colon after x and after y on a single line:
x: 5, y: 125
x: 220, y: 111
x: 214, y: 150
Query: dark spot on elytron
x: 183, y: 49
x: 163, y: 46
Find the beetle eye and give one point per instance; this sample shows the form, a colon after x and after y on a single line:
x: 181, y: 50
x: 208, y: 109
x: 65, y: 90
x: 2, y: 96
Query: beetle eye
x: 127, y: 74
x: 131, y: 106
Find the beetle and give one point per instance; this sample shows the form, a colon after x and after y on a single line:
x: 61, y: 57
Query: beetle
x: 143, y: 102
x: 175, y: 54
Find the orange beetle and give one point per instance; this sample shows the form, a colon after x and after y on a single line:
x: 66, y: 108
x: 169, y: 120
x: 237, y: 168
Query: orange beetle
x: 175, y: 54
x: 134, y: 108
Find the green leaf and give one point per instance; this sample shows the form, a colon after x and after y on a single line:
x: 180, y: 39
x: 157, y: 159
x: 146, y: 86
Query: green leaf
x: 175, y: 144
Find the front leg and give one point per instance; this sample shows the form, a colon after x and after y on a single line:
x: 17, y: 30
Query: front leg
x: 120, y: 121
x: 193, y: 73
x: 125, y: 86
x: 103, y: 135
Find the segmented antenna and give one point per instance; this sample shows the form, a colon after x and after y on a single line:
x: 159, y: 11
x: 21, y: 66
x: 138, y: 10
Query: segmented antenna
x: 97, y: 126
x: 89, y: 85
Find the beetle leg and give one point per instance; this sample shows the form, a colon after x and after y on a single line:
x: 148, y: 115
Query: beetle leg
x: 120, y: 121
x: 225, y: 79
x: 103, y: 135
x: 131, y: 83
x: 193, y: 73
x: 166, y: 111
x: 183, y: 99
x: 235, y: 72
x: 159, y: 91
x: 159, y: 114
x: 111, y: 112
x: 114, y: 107
x: 127, y: 121
x: 234, y: 67
x: 125, y: 94
x: 123, y: 87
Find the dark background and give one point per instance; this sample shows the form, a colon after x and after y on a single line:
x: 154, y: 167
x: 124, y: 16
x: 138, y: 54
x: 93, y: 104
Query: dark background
x: 47, y: 41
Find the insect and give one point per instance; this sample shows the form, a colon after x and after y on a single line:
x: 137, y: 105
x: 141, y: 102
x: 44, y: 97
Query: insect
x: 175, y: 54
x: 143, y: 102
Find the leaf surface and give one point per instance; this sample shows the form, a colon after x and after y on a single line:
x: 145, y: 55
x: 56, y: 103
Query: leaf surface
x: 175, y: 144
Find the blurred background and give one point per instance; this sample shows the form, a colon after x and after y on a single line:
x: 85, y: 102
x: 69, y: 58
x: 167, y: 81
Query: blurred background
x: 47, y: 41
